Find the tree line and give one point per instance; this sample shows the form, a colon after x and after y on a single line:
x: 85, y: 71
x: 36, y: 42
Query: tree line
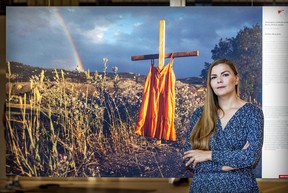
x: 245, y: 50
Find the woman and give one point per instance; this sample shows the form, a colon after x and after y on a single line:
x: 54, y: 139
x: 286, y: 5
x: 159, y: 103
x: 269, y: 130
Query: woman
x: 226, y: 136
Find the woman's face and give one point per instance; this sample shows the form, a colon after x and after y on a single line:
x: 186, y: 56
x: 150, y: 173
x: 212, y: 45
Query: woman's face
x: 223, y: 80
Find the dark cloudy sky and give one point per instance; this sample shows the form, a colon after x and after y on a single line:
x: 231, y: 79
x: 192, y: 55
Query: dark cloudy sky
x: 50, y: 36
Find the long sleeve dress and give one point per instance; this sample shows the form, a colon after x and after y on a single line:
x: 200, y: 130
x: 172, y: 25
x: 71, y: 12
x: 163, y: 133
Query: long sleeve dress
x: 227, y: 150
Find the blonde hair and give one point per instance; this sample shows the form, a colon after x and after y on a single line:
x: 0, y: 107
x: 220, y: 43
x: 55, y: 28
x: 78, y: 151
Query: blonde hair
x: 200, y: 136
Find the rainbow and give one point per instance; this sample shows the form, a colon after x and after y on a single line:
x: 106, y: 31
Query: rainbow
x: 77, y: 58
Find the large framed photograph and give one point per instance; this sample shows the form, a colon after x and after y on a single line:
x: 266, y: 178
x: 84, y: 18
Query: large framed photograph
x: 77, y: 105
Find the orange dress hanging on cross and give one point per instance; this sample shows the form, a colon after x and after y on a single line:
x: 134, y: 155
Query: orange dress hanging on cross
x: 157, y: 111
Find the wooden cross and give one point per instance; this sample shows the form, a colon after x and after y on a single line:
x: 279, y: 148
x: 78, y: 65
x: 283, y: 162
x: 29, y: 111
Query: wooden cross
x: 162, y: 55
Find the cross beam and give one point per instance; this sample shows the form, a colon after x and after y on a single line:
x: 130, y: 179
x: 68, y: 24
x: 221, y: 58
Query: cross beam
x: 162, y: 55
x: 167, y: 55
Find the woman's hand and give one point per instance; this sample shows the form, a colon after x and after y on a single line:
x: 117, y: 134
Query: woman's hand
x: 196, y: 156
x: 228, y: 168
x: 246, y: 145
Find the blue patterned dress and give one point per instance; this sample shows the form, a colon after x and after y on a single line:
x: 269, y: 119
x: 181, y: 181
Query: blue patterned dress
x: 226, y: 146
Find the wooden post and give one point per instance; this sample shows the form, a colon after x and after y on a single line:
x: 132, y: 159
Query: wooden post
x: 161, y: 44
